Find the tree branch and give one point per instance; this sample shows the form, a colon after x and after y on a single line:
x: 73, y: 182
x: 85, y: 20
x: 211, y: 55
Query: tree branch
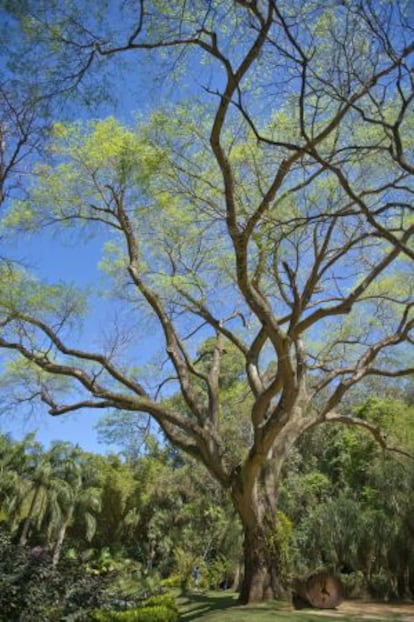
x: 375, y: 431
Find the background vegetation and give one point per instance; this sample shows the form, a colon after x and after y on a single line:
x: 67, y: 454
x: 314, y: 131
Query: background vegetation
x: 82, y: 532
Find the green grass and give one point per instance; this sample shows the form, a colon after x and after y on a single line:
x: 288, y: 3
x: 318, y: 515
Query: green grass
x: 222, y: 607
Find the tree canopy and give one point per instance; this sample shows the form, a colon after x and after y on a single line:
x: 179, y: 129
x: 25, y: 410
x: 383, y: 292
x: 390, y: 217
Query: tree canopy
x: 266, y: 214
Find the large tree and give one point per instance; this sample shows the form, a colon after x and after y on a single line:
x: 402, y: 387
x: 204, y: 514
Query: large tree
x: 271, y: 214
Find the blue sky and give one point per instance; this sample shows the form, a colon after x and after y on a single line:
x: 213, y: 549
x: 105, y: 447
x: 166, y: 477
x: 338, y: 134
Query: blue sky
x: 52, y: 260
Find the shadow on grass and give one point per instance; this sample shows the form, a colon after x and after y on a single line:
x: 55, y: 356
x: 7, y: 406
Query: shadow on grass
x: 194, y: 605
x: 219, y: 606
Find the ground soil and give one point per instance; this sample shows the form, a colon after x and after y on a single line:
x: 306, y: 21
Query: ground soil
x: 372, y: 610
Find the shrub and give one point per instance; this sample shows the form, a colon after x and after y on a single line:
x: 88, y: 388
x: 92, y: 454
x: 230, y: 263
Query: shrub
x: 161, y: 608
x: 142, y: 614
x: 219, y: 571
x: 161, y: 600
x: 354, y: 584
x: 171, y: 582
x: 32, y: 589
x: 380, y: 585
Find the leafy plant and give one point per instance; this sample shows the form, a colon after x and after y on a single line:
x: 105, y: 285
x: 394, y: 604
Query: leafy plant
x: 31, y: 588
x: 160, y: 608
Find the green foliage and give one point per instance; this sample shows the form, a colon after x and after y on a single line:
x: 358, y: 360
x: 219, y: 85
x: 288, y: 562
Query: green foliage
x: 284, y: 535
x: 125, y: 430
x: 354, y: 584
x: 160, y: 608
x: 393, y: 415
x: 154, y: 512
x: 350, y: 504
x: 218, y: 573
x: 168, y: 513
x: 31, y: 588
x: 165, y: 600
x: 144, y: 614
x: 172, y: 582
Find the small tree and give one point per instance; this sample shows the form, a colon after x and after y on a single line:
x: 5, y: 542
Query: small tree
x: 273, y: 216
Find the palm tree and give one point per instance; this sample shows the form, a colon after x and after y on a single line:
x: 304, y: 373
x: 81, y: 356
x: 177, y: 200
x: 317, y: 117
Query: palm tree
x: 13, y: 487
x: 76, y: 494
x: 24, y: 481
x: 41, y: 482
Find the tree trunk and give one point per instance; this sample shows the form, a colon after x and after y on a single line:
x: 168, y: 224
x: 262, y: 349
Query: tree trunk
x: 59, y: 543
x: 237, y: 579
x: 25, y: 530
x: 29, y: 518
x: 263, y: 577
x: 254, y: 495
x: 61, y: 537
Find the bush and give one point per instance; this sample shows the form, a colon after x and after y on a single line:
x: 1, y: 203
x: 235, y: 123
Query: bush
x: 354, y: 585
x: 380, y: 586
x: 32, y: 589
x: 160, y: 608
x: 142, y: 614
x: 161, y: 600
x: 172, y: 582
x: 219, y: 571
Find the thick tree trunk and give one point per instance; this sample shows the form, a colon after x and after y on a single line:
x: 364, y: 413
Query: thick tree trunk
x: 254, y: 494
x: 263, y: 577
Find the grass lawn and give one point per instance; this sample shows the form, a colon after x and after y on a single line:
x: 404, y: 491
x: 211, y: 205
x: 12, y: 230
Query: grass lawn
x: 222, y: 607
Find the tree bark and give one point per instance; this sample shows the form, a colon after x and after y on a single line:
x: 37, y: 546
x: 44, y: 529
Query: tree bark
x: 263, y: 572
x: 254, y: 494
x: 61, y: 537
x: 263, y: 577
x: 237, y: 579
x: 59, y: 544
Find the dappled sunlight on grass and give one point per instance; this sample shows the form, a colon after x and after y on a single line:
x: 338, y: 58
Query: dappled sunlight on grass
x: 217, y: 606
x: 223, y: 607
x: 196, y: 604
